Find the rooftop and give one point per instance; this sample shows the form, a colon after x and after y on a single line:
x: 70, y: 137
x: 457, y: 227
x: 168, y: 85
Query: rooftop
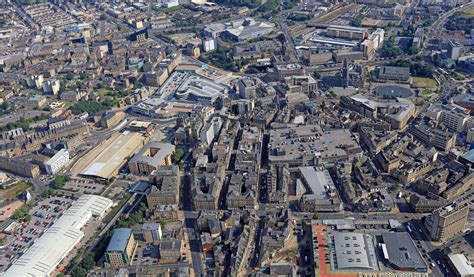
x: 119, y: 240
x: 402, y: 252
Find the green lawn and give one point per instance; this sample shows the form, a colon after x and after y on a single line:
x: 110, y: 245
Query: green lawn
x: 421, y: 82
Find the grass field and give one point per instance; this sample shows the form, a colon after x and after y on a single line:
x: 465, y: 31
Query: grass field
x: 468, y: 14
x: 13, y: 191
x: 421, y: 82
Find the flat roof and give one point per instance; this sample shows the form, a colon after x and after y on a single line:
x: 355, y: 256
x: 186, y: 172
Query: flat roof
x: 46, y: 253
x: 402, y: 252
x: 115, y: 155
x: 119, y: 240
x: 318, y: 180
x: 462, y: 265
x: 201, y: 87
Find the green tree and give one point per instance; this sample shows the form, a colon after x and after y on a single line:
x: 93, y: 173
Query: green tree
x: 177, y: 155
x: 103, y: 17
x: 88, y: 262
x: 79, y: 272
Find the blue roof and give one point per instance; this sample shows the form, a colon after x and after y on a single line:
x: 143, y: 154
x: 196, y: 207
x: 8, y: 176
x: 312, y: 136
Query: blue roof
x: 469, y: 155
x: 119, y: 239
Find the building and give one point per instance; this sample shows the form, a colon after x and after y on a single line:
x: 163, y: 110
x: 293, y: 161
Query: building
x: 247, y: 88
x: 46, y: 252
x: 393, y: 73
x: 202, y: 90
x: 447, y: 222
x: 166, y: 182
x: 461, y: 265
x: 455, y: 50
x: 321, y: 194
x: 347, y: 32
x: 144, y: 127
x: 354, y: 251
x: 401, y: 253
x: 150, y: 157
x: 19, y: 167
x: 51, y: 87
x: 454, y: 117
x: 110, y: 119
x: 151, y: 232
x: 111, y: 160
x: 249, y: 29
x: 170, y: 250
x: 211, y: 130
x: 57, y: 162
x: 441, y: 139
x: 306, y: 145
x: 397, y: 111
x: 208, y: 44
x: 121, y: 248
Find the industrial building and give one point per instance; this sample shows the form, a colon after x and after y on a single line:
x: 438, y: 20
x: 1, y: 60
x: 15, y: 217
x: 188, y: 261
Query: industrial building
x: 109, y: 161
x: 150, y: 157
x: 401, y: 253
x: 121, y: 247
x: 58, y: 240
x: 321, y: 194
x: 353, y: 251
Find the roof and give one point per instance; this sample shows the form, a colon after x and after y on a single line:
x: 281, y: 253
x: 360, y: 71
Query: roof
x: 469, y: 156
x: 114, y: 156
x: 354, y: 251
x: 153, y: 153
x: 119, y: 240
x: 462, y: 265
x: 318, y: 181
x: 402, y: 252
x: 46, y: 253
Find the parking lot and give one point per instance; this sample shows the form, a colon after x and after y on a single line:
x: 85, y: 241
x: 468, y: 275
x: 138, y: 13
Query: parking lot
x: 84, y: 186
x: 43, y: 216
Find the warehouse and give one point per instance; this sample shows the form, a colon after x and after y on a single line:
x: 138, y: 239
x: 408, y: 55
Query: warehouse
x: 46, y: 253
x: 109, y: 161
x: 401, y: 253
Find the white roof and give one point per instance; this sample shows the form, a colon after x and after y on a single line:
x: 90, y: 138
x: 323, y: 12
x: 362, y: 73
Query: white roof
x: 54, y: 245
x: 462, y: 264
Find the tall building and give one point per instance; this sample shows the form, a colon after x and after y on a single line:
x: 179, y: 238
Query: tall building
x: 57, y: 162
x: 121, y: 247
x: 448, y: 221
x: 455, y: 50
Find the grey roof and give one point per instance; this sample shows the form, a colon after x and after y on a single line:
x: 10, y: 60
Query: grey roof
x: 354, y: 251
x: 119, y: 240
x: 318, y: 180
x: 402, y: 252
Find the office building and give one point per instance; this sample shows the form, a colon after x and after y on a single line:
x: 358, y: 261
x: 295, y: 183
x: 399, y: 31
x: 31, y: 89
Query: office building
x: 347, y: 32
x: 57, y: 162
x: 455, y: 50
x: 170, y: 250
x: 393, y: 73
x: 150, y: 157
x: 121, y: 248
x: 447, y: 222
x: 166, y: 182
x: 208, y: 44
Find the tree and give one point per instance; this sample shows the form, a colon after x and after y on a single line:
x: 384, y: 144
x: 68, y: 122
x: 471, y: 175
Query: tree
x: 103, y: 17
x: 177, y: 155
x: 79, y: 272
x: 413, y: 50
x: 69, y: 76
x: 88, y: 262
